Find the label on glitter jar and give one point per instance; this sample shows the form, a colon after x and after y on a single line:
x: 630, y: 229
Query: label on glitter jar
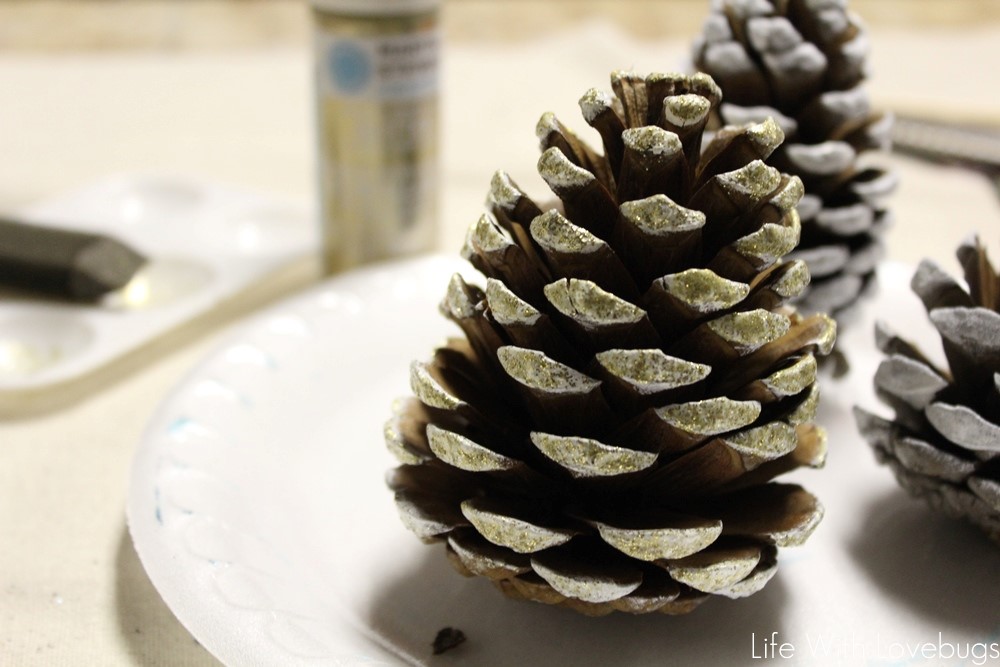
x: 377, y: 99
x: 384, y: 67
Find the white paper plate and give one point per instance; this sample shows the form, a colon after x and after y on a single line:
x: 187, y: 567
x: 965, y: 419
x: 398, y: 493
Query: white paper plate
x: 258, y: 507
x: 232, y: 239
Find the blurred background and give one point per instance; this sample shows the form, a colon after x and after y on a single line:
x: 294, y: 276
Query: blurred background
x: 68, y: 25
x: 133, y: 73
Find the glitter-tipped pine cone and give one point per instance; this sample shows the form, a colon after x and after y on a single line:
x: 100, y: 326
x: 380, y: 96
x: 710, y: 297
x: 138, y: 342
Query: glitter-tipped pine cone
x: 630, y: 382
x: 943, y: 443
x: 802, y: 62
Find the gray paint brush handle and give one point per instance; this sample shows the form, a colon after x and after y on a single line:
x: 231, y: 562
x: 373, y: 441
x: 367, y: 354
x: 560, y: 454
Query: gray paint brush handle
x: 79, y: 266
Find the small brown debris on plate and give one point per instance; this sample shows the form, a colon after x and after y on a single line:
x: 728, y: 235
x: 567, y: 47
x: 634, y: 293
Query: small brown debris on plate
x: 447, y: 639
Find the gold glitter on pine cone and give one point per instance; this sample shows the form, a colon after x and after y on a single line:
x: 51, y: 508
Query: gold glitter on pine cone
x: 944, y: 442
x: 630, y: 381
x: 802, y: 62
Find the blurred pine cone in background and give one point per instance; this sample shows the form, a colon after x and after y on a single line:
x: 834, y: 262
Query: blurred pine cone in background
x: 802, y: 62
x: 944, y: 442
x: 630, y: 382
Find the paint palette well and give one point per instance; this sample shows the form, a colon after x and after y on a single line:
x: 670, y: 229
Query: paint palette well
x: 212, y: 243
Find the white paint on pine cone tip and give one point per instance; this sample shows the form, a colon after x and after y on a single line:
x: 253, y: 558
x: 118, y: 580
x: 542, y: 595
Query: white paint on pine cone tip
x: 876, y: 430
x: 767, y: 134
x: 832, y: 294
x: 716, y: 29
x: 876, y: 191
x: 685, y: 110
x: 488, y: 236
x: 420, y: 520
x: 465, y: 454
x: 763, y: 443
x: 964, y: 426
x: 809, y: 206
x: 649, y: 371
x: 596, y: 587
x: 557, y: 170
x: 728, y: 59
x: 827, y: 337
x: 926, y: 459
x: 753, y: 583
x: 711, y: 416
x: 456, y: 300
x: 910, y: 380
x: 806, y: 412
x: 503, y: 191
x: 661, y: 216
x: 797, y: 534
x: 687, y: 536
x: 801, y: 60
x: 772, y: 33
x: 975, y: 331
x: 670, y: 80
x: 771, y: 242
x: 987, y: 489
x: 397, y: 445
x: 960, y: 502
x: 485, y: 558
x: 620, y: 74
x: 824, y: 159
x: 793, y: 281
x: 793, y: 379
x: 853, y: 103
x: 534, y: 370
x: 554, y: 232
x: 594, y: 103
x: 857, y: 49
x: 832, y: 24
x: 586, y: 457
x: 880, y: 130
x: 747, y: 8
x: 846, y: 220
x: 703, y: 290
x: 884, y: 335
x: 508, y: 531
x: 709, y: 572
x: 468, y: 251
x: 703, y: 84
x: 652, y: 140
x: 734, y: 114
x: 819, y: 5
x: 429, y: 391
x: 755, y: 180
x: 750, y: 330
x: 587, y: 304
x: 508, y: 308
x: 790, y: 194
x: 970, y: 244
x: 823, y: 260
x: 547, y: 124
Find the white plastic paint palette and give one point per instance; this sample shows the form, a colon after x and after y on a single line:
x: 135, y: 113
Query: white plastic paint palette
x: 211, y: 243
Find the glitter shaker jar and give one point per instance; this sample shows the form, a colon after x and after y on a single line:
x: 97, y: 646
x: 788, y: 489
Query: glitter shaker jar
x: 377, y: 67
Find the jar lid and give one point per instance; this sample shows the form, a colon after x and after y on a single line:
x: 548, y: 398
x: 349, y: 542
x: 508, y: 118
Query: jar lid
x: 376, y: 7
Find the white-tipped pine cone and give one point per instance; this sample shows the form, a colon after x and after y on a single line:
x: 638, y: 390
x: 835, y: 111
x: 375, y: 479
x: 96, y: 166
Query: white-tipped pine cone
x: 944, y: 442
x: 630, y: 381
x: 802, y: 62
